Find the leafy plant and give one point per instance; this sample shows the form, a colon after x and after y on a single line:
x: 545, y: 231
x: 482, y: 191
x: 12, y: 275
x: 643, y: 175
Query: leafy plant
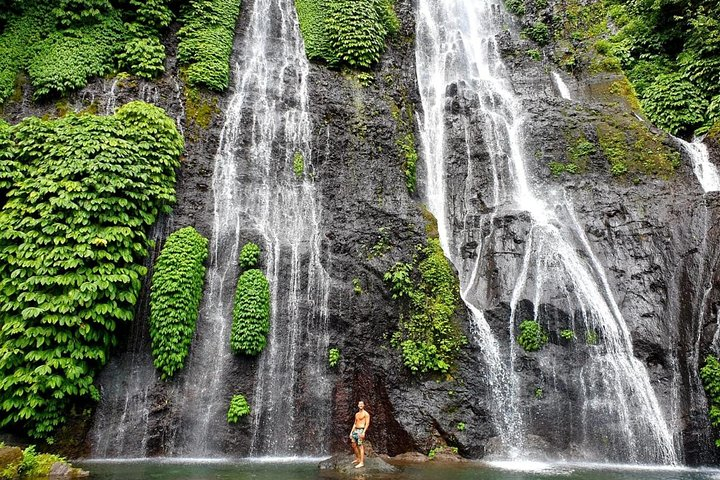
x: 249, y: 255
x: 298, y: 164
x: 177, y: 285
x: 534, y: 53
x: 382, y: 245
x: 251, y: 314
x: 72, y: 245
x: 710, y: 375
x: 516, y: 7
x: 428, y: 334
x: 357, y: 288
x: 460, y: 427
x: 538, y: 32
x: 143, y: 57
x: 567, y: 334
x: 407, y: 145
x: 538, y: 393
x: 532, y: 336
x: 591, y: 337
x: 333, y: 357
x: 239, y: 407
x: 206, y: 40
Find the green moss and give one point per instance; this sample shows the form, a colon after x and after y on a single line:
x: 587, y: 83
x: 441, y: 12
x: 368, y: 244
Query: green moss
x: 200, y: 107
x: 630, y: 147
x: 407, y: 146
x: 431, y: 225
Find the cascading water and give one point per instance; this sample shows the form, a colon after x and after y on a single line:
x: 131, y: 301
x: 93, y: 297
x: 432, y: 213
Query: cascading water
x: 459, y: 64
x: 562, y: 86
x: 259, y: 196
x: 705, y: 171
x: 263, y: 192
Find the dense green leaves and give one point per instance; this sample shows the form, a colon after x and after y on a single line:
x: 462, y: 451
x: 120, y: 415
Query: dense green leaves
x: 206, y: 40
x: 249, y: 255
x: 72, y: 243
x: 239, y: 407
x: 251, y: 313
x: 710, y: 375
x: 532, y: 336
x: 177, y: 286
x: 143, y: 56
x: 350, y: 32
x: 429, y: 336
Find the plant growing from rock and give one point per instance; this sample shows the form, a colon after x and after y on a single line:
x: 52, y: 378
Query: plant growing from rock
x: 177, y: 286
x: 567, y: 334
x: 710, y: 375
x: 249, y: 255
x: 428, y: 336
x: 532, y: 336
x: 333, y: 357
x: 72, y: 246
x: 239, y: 407
x: 251, y: 313
x: 298, y: 164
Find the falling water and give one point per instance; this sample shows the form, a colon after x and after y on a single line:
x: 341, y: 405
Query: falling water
x: 258, y: 196
x: 458, y: 57
x: 561, y: 86
x: 705, y: 171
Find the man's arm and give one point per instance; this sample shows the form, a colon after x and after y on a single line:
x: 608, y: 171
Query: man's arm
x: 367, y: 424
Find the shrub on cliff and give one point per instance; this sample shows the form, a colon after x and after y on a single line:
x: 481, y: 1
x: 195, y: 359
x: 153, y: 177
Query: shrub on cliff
x: 239, y: 407
x: 206, y: 40
x: 428, y: 336
x: 251, y: 313
x: 349, y: 32
x: 532, y: 336
x: 72, y: 245
x: 177, y: 286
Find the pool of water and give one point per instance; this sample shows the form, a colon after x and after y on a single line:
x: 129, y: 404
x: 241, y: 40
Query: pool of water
x: 307, y: 469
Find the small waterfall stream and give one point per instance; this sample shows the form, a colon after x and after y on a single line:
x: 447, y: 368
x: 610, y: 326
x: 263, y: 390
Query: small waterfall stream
x: 458, y: 57
x: 705, y: 171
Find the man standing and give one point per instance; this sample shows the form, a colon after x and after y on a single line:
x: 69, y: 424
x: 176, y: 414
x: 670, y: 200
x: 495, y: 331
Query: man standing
x: 357, y: 434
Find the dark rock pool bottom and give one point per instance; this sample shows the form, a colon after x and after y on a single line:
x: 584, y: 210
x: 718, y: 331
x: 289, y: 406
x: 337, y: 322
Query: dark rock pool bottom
x: 307, y: 469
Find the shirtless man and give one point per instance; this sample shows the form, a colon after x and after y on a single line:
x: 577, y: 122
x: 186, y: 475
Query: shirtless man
x: 357, y: 434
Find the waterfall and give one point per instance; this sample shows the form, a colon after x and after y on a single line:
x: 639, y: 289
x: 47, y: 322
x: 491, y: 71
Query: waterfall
x: 258, y: 196
x: 263, y: 191
x: 705, y: 171
x: 561, y: 86
x: 461, y: 74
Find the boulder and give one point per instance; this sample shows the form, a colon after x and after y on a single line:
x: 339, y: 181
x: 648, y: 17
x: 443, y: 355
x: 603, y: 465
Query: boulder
x: 9, y: 456
x: 61, y: 470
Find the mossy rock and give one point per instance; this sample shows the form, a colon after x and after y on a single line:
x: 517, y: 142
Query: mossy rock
x: 10, y: 456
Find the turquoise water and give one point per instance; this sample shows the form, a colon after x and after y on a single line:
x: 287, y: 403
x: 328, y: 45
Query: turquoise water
x: 308, y: 470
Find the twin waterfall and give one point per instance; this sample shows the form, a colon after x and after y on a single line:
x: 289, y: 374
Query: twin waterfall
x: 260, y: 195
x: 458, y: 56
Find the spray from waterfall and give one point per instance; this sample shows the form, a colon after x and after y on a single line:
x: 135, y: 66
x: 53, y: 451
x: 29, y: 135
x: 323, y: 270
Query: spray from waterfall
x: 457, y: 55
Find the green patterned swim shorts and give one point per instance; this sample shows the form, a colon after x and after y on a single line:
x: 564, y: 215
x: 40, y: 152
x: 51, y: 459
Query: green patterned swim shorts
x: 356, y: 436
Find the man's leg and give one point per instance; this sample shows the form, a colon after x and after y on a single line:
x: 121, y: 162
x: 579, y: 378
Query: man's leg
x: 355, y: 451
x: 362, y: 457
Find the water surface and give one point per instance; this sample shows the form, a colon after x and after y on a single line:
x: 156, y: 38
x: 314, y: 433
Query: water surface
x: 292, y: 469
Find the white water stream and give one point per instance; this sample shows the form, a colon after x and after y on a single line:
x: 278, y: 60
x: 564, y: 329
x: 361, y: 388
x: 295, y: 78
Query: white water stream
x: 562, y: 86
x: 621, y: 419
x: 706, y: 172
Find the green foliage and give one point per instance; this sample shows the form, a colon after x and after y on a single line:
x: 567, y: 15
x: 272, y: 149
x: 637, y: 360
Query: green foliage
x: 350, y: 32
x: 154, y: 15
x: 591, y: 337
x: 382, y: 245
x: 567, y: 334
x: 251, y: 314
x: 177, y: 286
x: 516, y: 7
x: 674, y: 104
x: 534, y: 53
x: 357, y: 288
x: 298, y: 164
x: 239, y: 407
x: 206, y: 40
x: 538, y: 393
x: 143, y: 57
x: 710, y: 375
x: 72, y: 244
x: 671, y: 52
x: 538, y: 32
x: 557, y: 168
x: 249, y: 256
x: 532, y: 336
x: 460, y: 427
x: 333, y: 357
x: 77, y: 13
x: 428, y: 336
x: 32, y: 465
x: 21, y: 32
x: 407, y: 145
x: 66, y: 59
